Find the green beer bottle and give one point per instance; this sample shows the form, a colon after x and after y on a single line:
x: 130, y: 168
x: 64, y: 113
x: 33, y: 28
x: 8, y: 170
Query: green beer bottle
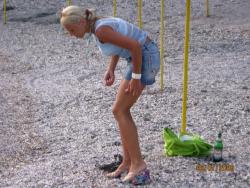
x: 217, y: 149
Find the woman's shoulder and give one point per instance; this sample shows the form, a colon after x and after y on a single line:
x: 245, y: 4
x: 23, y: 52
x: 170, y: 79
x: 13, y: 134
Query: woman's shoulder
x: 109, y: 21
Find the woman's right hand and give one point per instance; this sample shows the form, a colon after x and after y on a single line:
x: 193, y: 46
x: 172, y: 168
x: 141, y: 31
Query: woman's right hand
x: 109, y: 77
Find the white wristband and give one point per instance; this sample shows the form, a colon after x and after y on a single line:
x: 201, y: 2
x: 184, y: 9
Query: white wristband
x: 136, y: 76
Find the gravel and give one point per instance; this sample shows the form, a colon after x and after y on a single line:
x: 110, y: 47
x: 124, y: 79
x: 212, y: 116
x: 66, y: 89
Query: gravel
x: 56, y: 122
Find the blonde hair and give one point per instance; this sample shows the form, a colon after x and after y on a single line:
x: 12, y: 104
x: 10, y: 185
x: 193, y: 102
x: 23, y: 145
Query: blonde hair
x: 73, y: 14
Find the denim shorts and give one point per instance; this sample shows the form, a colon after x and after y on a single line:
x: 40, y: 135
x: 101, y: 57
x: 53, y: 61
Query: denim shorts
x: 150, y: 64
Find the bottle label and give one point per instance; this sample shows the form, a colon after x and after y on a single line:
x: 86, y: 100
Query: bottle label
x: 217, y: 155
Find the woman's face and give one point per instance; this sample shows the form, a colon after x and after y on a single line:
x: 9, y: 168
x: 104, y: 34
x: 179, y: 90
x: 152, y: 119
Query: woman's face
x: 77, y: 29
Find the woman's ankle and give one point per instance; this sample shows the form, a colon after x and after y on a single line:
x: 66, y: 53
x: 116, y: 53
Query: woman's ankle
x: 124, y: 165
x: 138, y: 166
x: 126, y: 161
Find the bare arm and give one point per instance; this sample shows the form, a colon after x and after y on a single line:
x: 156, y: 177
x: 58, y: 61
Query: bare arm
x: 109, y: 76
x: 113, y: 63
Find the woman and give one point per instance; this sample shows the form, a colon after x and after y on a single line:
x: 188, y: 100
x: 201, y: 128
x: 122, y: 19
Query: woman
x: 117, y: 38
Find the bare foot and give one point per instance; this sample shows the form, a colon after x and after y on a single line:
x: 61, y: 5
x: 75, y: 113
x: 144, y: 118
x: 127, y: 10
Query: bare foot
x: 120, y: 170
x: 134, y: 171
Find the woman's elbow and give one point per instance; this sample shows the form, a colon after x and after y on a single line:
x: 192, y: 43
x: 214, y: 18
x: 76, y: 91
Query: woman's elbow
x: 136, y: 47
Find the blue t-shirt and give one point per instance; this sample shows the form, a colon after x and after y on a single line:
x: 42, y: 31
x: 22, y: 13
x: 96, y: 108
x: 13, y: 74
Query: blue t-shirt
x: 123, y: 27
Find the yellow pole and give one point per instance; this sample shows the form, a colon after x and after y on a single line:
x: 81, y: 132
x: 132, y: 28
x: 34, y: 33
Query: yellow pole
x: 4, y: 12
x: 69, y: 2
x: 115, y: 8
x: 140, y: 13
x: 162, y: 46
x: 207, y: 8
x: 185, y: 69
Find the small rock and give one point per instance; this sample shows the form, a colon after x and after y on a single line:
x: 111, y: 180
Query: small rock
x: 195, y: 103
x: 204, y: 91
x: 117, y: 143
x: 147, y: 117
x: 247, y: 109
x: 9, y: 8
x: 228, y: 124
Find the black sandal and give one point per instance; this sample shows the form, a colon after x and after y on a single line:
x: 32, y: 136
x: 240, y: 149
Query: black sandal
x: 111, y: 167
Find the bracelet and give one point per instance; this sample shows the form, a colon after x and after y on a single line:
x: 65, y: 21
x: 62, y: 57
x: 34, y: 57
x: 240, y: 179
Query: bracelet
x: 136, y: 76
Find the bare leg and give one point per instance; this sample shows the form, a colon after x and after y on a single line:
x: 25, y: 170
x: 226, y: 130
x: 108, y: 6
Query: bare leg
x: 124, y: 166
x: 124, y: 101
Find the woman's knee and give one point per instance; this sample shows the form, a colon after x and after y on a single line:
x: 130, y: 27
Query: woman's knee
x: 118, y: 110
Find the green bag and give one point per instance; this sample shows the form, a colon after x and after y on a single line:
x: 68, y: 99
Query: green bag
x: 187, y: 145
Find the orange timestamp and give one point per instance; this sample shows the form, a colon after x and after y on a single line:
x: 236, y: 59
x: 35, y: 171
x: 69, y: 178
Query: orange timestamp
x: 215, y: 167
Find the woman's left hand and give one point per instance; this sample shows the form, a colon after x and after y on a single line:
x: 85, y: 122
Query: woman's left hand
x: 134, y: 87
